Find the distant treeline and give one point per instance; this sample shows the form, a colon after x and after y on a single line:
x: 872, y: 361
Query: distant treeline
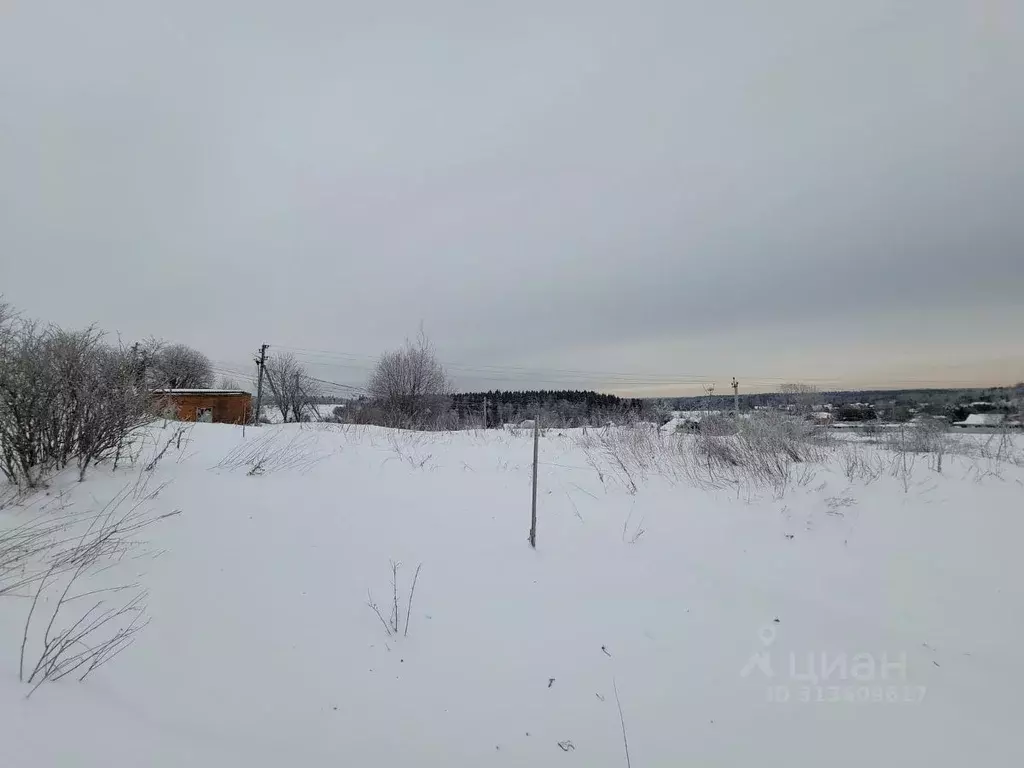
x: 554, y: 407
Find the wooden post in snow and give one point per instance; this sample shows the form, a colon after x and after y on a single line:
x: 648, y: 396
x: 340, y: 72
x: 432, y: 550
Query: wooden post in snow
x: 533, y: 511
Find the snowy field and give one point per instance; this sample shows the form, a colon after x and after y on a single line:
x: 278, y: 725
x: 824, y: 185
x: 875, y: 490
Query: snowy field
x: 865, y: 611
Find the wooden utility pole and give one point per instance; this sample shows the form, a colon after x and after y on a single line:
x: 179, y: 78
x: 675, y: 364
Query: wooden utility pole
x: 736, y: 395
x: 533, y: 511
x: 260, y: 364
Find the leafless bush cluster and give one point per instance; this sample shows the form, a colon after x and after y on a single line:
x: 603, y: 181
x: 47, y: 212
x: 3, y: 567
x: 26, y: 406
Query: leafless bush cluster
x: 725, y: 453
x: 25, y: 545
x: 74, y: 627
x: 393, y: 624
x: 433, y: 414
x: 272, y: 452
x: 65, y: 396
x: 925, y: 438
x: 929, y: 441
x: 627, y: 455
x: 859, y: 463
x: 408, y: 447
x: 763, y: 451
x: 1002, y: 447
x: 918, y: 437
x: 173, y: 438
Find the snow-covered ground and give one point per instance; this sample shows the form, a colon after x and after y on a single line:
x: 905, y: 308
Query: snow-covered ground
x: 830, y: 622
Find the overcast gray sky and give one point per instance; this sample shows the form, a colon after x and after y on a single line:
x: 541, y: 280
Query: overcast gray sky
x: 671, y: 192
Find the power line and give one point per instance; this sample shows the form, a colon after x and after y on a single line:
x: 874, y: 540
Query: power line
x: 349, y: 387
x: 510, y: 374
x: 483, y: 368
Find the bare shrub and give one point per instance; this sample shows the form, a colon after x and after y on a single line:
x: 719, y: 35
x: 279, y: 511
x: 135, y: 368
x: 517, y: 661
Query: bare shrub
x: 1001, y: 447
x: 24, y: 545
x: 174, y: 438
x: 58, y: 637
x: 762, y: 452
x: 902, y: 468
x: 113, y: 408
x: 603, y: 452
x: 722, y: 454
x: 410, y: 386
x: 797, y: 439
x: 920, y: 437
x: 718, y: 425
x: 26, y: 407
x: 630, y: 454
x: 393, y: 624
x: 93, y: 639
x: 637, y: 532
x: 65, y: 395
x: 859, y: 463
x: 408, y: 446
x: 273, y: 452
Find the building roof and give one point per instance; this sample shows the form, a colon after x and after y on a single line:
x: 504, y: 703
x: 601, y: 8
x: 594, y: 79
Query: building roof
x: 982, y: 420
x: 200, y: 392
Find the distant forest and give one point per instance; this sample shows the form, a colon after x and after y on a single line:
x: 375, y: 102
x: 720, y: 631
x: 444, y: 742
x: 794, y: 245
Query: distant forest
x: 564, y: 407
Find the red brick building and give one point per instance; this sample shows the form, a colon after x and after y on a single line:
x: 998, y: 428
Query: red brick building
x: 221, y: 406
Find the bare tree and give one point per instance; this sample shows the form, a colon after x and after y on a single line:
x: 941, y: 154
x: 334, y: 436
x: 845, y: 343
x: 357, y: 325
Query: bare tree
x: 294, y: 390
x: 181, y: 367
x: 6, y: 320
x: 410, y: 384
x: 802, y: 397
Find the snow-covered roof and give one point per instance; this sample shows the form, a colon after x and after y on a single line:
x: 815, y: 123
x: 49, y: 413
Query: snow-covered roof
x: 200, y: 392
x: 982, y: 420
